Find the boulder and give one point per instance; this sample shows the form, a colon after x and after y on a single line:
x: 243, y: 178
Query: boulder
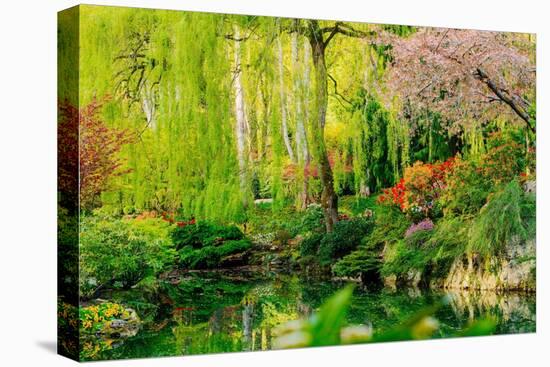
x: 513, y: 270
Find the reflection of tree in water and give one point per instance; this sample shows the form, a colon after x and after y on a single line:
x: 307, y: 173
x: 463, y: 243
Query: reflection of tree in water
x: 514, y: 312
x: 248, y: 341
x: 215, y: 315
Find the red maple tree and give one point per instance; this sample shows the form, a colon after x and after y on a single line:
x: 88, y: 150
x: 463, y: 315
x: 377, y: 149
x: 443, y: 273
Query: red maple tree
x: 88, y: 151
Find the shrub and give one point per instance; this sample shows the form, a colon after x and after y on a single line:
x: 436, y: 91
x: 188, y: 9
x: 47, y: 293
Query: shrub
x: 123, y: 250
x: 471, y: 182
x: 508, y: 215
x: 313, y: 220
x: 310, y: 244
x: 390, y: 225
x: 282, y: 237
x: 407, y: 254
x: 364, y: 262
x: 204, y: 245
x: 417, y: 192
x: 467, y: 189
x: 428, y: 251
x: 345, y: 238
x: 424, y: 225
x: 204, y: 234
x: 210, y: 256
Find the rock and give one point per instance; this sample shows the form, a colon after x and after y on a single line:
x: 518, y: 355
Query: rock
x: 412, y: 278
x: 514, y: 270
x: 390, y: 281
x: 263, y: 201
x: 124, y: 327
x: 530, y: 187
x: 233, y: 260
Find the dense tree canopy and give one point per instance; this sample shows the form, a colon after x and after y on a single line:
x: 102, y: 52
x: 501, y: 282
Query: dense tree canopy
x: 229, y: 109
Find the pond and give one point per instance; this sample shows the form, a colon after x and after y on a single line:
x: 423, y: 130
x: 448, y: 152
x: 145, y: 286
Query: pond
x: 200, y: 313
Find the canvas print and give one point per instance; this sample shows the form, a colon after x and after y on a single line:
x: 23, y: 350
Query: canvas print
x: 232, y: 183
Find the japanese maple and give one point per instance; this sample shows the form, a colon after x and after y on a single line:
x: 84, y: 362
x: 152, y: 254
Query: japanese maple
x: 86, y: 142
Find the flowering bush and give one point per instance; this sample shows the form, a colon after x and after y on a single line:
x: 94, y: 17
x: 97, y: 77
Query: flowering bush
x: 419, y: 188
x: 471, y: 182
x: 103, y: 325
x: 425, y: 225
x: 92, y: 317
x: 394, y: 195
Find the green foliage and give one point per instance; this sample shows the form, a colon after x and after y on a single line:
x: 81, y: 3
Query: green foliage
x: 472, y: 181
x: 204, y: 245
x: 466, y: 190
x: 364, y: 262
x: 123, y: 250
x: 326, y: 324
x: 406, y: 255
x: 377, y: 143
x: 312, y: 220
x: 310, y: 244
x: 345, y: 237
x: 389, y: 227
x: 430, y: 252
x: 509, y: 215
x: 209, y: 257
x: 204, y: 233
x: 431, y: 141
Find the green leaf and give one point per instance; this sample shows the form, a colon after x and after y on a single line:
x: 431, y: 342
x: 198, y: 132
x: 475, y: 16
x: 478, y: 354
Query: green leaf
x: 325, y: 328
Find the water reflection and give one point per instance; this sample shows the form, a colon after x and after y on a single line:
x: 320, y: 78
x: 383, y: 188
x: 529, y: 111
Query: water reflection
x: 213, y: 313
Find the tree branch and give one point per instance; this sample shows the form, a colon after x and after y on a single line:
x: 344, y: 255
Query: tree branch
x: 345, y: 29
x: 504, y: 96
x: 336, y: 90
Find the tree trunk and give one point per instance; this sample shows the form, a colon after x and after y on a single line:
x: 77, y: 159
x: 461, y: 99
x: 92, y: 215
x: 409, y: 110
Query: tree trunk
x: 364, y: 190
x: 241, y: 125
x: 247, y: 326
x: 301, y: 83
x: 329, y: 199
x: 286, y: 139
x: 148, y: 106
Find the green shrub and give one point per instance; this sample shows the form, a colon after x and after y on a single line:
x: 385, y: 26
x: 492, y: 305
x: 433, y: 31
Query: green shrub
x: 123, y: 250
x: 204, y: 234
x: 429, y: 251
x: 406, y: 255
x: 345, y: 237
x: 472, y: 181
x: 364, y: 262
x: 390, y: 225
x: 467, y: 190
x: 508, y: 215
x: 205, y: 244
x: 357, y: 205
x: 210, y: 257
x: 282, y: 237
x: 313, y: 220
x: 310, y: 244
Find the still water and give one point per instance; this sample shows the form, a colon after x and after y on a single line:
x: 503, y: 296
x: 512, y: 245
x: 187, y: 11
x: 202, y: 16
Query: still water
x: 201, y: 313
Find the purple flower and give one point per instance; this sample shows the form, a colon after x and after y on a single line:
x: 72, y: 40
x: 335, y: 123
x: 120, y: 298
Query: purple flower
x: 424, y: 225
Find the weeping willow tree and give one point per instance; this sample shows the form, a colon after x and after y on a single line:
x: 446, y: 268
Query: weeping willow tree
x: 173, y: 88
x: 229, y: 109
x: 216, y: 103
